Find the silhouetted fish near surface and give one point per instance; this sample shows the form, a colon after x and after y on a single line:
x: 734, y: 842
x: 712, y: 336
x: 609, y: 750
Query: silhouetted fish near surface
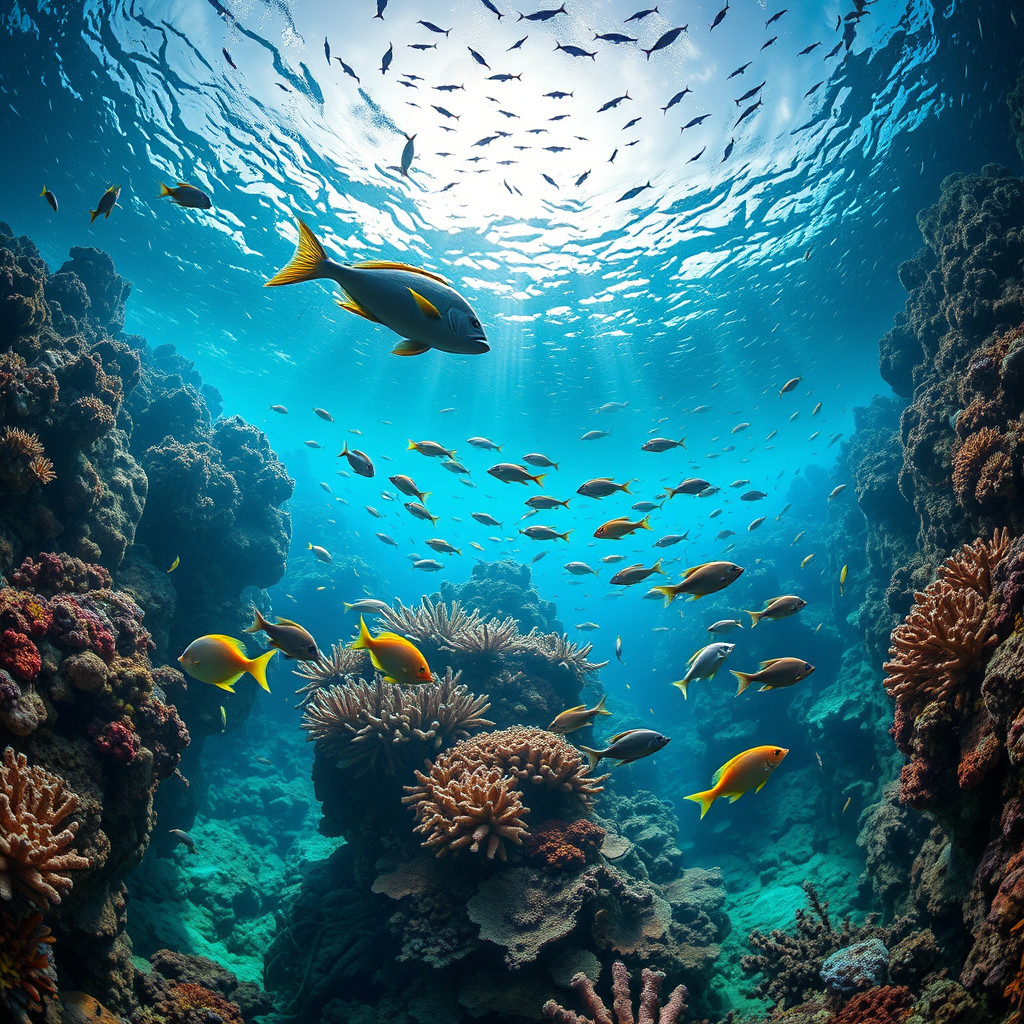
x: 615, y: 37
x: 431, y: 27
x: 542, y: 15
x: 665, y: 39
x: 516, y: 45
x: 381, y: 8
x: 741, y: 69
x: 807, y: 49
x: 675, y: 99
x: 576, y: 51
x: 611, y: 104
x: 385, y: 61
x: 492, y: 8
x: 719, y: 17
x: 640, y: 15
x: 633, y: 193
x: 227, y: 57
x: 700, y: 119
x: 476, y: 56
x: 775, y: 17
x: 348, y: 71
x: 749, y: 93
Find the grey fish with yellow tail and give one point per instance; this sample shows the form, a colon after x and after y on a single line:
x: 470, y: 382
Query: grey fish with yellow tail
x: 774, y: 674
x: 418, y: 305
x: 704, y: 664
x: 627, y: 746
x: 577, y: 718
x: 702, y: 580
x: 291, y: 639
x: 184, y: 194
x: 107, y: 202
x: 777, y: 608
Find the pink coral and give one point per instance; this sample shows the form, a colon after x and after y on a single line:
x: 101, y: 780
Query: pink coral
x: 117, y: 741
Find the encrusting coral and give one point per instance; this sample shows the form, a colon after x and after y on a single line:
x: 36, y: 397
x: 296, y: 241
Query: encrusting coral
x: 378, y: 727
x: 27, y: 976
x: 648, y: 1011
x: 36, y: 855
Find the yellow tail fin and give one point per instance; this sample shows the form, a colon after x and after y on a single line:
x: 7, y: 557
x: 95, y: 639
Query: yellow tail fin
x: 43, y: 193
x: 682, y: 684
x: 593, y: 756
x: 644, y: 524
x: 307, y: 264
x: 625, y: 488
x: 363, y: 641
x: 537, y: 479
x: 164, y: 191
x: 600, y: 709
x: 755, y: 617
x: 565, y: 536
x: 93, y: 214
x: 258, y: 668
x: 705, y: 799
x: 669, y: 592
x: 423, y: 496
x: 745, y: 679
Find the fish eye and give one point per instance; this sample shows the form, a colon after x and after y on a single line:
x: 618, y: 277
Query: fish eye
x: 807, y: 668
x: 473, y: 322
x: 777, y: 751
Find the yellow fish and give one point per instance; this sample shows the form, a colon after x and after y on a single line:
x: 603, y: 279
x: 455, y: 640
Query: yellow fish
x: 396, y: 658
x: 221, y: 661
x: 807, y: 561
x: 223, y: 719
x: 745, y: 772
x: 842, y: 579
x: 577, y: 718
x: 175, y: 563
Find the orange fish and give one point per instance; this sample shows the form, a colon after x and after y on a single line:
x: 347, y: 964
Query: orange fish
x: 747, y: 771
x: 221, y: 661
x: 616, y: 529
x: 396, y: 658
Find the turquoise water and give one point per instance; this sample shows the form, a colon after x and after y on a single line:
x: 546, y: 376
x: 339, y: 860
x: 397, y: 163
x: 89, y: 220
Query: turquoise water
x: 690, y: 304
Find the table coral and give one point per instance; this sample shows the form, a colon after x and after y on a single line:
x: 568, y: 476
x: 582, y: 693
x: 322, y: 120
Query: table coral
x: 35, y: 839
x: 622, y: 1004
x: 27, y: 976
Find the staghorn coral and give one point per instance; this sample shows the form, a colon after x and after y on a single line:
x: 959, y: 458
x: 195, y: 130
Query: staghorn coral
x: 35, y: 854
x: 27, y: 976
x: 379, y: 727
x: 943, y: 638
x: 647, y: 1006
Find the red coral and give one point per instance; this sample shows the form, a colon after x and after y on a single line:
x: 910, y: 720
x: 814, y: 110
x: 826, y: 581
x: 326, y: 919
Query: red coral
x: 77, y: 628
x: 980, y: 753
x: 60, y: 574
x: 24, y: 613
x: 118, y: 741
x: 884, y: 1004
x: 918, y: 781
x: 19, y: 656
x: 560, y: 846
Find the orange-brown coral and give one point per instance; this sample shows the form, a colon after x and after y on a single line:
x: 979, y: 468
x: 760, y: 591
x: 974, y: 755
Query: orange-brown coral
x: 942, y: 639
x: 380, y: 727
x: 622, y: 1004
x: 22, y: 462
x: 27, y: 977
x: 42, y: 469
x: 189, y: 1003
x: 564, y: 846
x: 35, y: 838
x: 15, y: 441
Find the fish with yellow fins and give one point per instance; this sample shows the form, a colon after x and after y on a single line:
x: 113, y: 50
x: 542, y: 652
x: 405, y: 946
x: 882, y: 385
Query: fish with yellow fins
x: 775, y: 673
x: 107, y: 202
x: 394, y: 657
x: 577, y: 718
x: 184, y: 194
x: 627, y: 747
x: 842, y: 580
x: 291, y: 639
x: 777, y: 608
x: 745, y: 772
x: 616, y: 529
x: 701, y: 580
x: 418, y: 305
x: 221, y: 661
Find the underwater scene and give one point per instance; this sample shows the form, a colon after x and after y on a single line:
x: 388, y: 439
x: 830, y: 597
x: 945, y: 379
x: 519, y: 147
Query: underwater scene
x: 511, y: 512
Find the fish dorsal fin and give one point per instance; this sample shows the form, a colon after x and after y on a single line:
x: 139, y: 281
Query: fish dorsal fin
x: 427, y: 308
x: 354, y: 307
x: 389, y: 636
x: 621, y: 735
x: 184, y: 184
x: 389, y: 265
x: 769, y: 662
x: 286, y: 622
x: 693, y: 657
x: 579, y: 707
x: 234, y: 644
x: 690, y: 572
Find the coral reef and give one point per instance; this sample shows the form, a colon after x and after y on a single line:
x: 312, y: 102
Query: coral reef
x: 27, y: 976
x: 647, y: 1004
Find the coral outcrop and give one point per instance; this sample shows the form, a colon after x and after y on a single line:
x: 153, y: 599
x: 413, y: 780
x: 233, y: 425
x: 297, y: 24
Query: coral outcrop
x: 27, y: 976
x: 647, y: 1005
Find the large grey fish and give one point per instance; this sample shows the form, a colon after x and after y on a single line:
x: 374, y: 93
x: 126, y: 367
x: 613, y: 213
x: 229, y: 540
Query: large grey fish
x: 416, y: 304
x: 291, y: 639
x: 777, y: 608
x: 704, y: 664
x: 627, y: 746
x: 635, y: 574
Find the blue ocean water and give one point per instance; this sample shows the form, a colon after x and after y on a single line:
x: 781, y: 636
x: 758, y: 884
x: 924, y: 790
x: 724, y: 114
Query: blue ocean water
x: 765, y: 248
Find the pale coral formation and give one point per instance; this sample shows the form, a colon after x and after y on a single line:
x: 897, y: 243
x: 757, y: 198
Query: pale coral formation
x: 341, y: 665
x: 648, y: 1009
x: 36, y: 855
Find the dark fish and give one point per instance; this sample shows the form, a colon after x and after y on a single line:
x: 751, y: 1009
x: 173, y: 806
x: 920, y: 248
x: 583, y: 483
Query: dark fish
x: 381, y: 7
x: 627, y: 746
x: 222, y: 10
x: 746, y: 113
x: 719, y: 16
x: 640, y: 15
x: 696, y: 156
x: 615, y: 153
x: 107, y: 202
x: 615, y: 37
x: 835, y: 49
x: 629, y: 124
x: 385, y: 61
x: 557, y: 95
x: 549, y: 180
x: 50, y: 198
x: 515, y: 46
x: 184, y: 838
x: 576, y: 51
x: 486, y: 141
x: 675, y: 99
x: 542, y: 15
x: 814, y: 88
x: 775, y: 17
x: 478, y: 58
x: 227, y: 57
x: 666, y: 39
x: 431, y: 27
x: 556, y: 149
x: 741, y: 69
x: 492, y: 8
x: 728, y: 150
x: 807, y: 49
x: 448, y: 88
x: 750, y: 92
x: 422, y: 46
x: 618, y: 647
x: 700, y: 119
x: 611, y: 104
x: 348, y: 71
x: 769, y: 43
x: 417, y: 78
x: 283, y: 88
x: 504, y: 77
x: 445, y: 113
x: 633, y: 193
x: 582, y: 178
x: 558, y: 117
x: 327, y: 51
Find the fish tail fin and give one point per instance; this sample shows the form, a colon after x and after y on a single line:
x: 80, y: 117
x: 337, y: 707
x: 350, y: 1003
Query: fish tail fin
x: 682, y: 442
x: 348, y: 605
x: 755, y: 617
x: 499, y: 447
x: 625, y: 487
x: 682, y: 684
x: 537, y: 479
x: 424, y: 495
x: 565, y: 536
x: 669, y: 592
x: 164, y: 191
x: 258, y: 622
x: 644, y: 523
x: 411, y: 446
x: 705, y: 799
x: 657, y: 567
x: 258, y: 668
x: 344, y: 450
x: 600, y: 709
x: 745, y: 679
x: 43, y: 193
x: 309, y: 262
x: 593, y: 756
x: 433, y: 519
x: 93, y: 214
x: 362, y: 642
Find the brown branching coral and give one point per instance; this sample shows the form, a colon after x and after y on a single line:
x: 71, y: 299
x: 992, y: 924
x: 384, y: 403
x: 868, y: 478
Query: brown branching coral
x: 949, y: 628
x: 431, y: 620
x: 35, y: 853
x: 647, y: 1009
x: 22, y: 460
x: 340, y: 665
x: 378, y: 726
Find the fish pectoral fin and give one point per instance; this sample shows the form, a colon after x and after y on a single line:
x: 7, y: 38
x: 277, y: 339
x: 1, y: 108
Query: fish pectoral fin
x: 760, y: 785
x: 407, y: 347
x: 389, y: 265
x: 354, y: 307
x: 427, y: 308
x: 736, y: 796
